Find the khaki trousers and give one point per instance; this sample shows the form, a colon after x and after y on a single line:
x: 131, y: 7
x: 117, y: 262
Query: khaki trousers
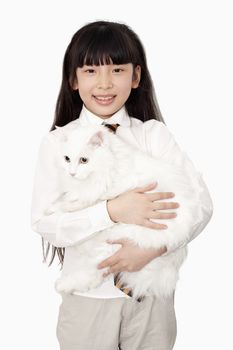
x: 117, y: 323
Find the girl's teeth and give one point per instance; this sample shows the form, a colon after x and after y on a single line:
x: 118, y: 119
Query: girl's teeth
x: 103, y: 98
x: 104, y: 101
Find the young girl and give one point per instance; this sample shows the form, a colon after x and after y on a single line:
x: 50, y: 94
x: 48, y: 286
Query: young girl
x: 106, y: 79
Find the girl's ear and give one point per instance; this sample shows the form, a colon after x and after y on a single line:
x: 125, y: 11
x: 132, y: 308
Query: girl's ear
x: 136, y: 77
x: 97, y: 139
x: 60, y: 133
x: 74, y: 83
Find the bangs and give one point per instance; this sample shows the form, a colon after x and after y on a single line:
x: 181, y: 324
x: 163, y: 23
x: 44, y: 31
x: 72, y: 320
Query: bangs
x: 104, y: 46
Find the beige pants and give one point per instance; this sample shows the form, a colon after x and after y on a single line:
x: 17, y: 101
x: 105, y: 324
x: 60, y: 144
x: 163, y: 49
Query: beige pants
x: 104, y: 324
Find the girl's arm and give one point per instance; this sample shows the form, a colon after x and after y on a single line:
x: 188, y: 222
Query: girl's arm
x: 61, y: 229
x: 161, y: 143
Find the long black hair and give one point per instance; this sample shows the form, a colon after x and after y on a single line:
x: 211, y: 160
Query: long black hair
x: 98, y: 43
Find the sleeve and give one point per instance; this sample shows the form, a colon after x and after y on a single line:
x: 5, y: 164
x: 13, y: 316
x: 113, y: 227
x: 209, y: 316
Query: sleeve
x: 59, y: 228
x: 161, y: 143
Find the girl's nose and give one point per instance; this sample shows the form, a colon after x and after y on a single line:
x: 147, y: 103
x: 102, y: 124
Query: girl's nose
x: 104, y: 82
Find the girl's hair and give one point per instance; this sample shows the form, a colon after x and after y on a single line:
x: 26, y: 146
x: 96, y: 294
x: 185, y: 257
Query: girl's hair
x: 98, y: 43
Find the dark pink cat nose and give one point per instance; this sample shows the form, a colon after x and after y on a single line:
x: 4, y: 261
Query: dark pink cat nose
x: 72, y: 174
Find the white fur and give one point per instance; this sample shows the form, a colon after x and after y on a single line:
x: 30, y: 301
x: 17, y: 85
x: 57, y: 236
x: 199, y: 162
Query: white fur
x: 113, y: 168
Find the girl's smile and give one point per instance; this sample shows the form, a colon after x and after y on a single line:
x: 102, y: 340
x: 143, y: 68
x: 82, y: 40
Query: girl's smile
x: 104, y: 100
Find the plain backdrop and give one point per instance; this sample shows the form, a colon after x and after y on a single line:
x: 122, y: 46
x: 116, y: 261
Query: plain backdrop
x: 189, y: 51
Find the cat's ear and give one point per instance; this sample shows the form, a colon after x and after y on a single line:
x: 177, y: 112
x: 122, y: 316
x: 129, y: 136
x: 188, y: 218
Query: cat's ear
x: 60, y: 133
x: 97, y: 139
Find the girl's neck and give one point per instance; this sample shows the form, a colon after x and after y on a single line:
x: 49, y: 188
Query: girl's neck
x: 103, y: 117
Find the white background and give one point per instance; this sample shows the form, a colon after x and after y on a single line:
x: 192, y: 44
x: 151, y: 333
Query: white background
x: 189, y: 50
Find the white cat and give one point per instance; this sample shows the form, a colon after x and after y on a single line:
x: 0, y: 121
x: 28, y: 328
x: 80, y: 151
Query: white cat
x: 98, y: 165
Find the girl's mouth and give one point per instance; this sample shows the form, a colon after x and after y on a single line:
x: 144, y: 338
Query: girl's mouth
x: 104, y: 100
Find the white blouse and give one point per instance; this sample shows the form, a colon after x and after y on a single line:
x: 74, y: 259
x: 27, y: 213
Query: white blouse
x: 68, y: 229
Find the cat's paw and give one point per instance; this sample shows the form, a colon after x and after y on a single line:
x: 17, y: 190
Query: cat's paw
x: 77, y: 282
x: 69, y: 285
x: 64, y: 285
x: 71, y: 206
x: 96, y: 281
x: 52, y: 209
x: 49, y: 211
x: 59, y: 207
x: 65, y: 206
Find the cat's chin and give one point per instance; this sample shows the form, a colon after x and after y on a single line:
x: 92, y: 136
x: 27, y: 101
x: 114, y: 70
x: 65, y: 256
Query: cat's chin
x: 75, y: 178
x: 79, y: 177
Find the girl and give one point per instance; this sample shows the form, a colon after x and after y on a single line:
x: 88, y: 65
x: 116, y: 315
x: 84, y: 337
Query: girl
x: 106, y: 79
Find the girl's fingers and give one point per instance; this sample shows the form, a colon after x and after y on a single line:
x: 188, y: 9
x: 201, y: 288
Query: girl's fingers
x: 113, y: 269
x: 164, y: 205
x: 108, y: 262
x: 154, y: 225
x: 155, y: 196
x: 148, y: 187
x: 159, y: 215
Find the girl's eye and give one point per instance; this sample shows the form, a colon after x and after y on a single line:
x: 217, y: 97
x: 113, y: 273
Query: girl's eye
x: 117, y: 70
x: 83, y: 160
x: 91, y: 71
x: 67, y: 159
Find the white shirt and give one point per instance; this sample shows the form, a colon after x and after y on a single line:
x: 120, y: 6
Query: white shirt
x: 67, y: 229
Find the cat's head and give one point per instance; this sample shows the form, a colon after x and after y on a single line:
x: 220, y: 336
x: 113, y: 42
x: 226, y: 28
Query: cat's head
x: 85, y: 151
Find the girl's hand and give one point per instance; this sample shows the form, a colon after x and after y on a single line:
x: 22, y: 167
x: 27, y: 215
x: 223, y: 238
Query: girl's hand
x: 129, y: 257
x: 137, y: 207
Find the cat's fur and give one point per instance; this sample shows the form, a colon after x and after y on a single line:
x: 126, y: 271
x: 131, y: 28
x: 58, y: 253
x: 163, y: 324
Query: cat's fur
x: 114, y: 167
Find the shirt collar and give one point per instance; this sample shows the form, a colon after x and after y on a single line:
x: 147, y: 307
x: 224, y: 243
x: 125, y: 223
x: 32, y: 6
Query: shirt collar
x: 121, y: 117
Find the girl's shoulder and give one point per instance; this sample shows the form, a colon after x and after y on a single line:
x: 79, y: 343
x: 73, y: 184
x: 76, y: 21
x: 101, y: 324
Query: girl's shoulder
x: 148, y: 124
x: 152, y: 128
x: 50, y: 138
x: 153, y: 134
x: 68, y: 127
x: 53, y: 135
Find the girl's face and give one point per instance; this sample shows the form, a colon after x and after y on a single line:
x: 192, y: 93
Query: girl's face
x: 105, y: 89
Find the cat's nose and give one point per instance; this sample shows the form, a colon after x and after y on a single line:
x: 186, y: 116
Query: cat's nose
x: 72, y: 174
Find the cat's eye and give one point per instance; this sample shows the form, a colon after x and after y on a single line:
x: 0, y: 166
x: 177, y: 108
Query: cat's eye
x: 67, y: 159
x: 83, y: 160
